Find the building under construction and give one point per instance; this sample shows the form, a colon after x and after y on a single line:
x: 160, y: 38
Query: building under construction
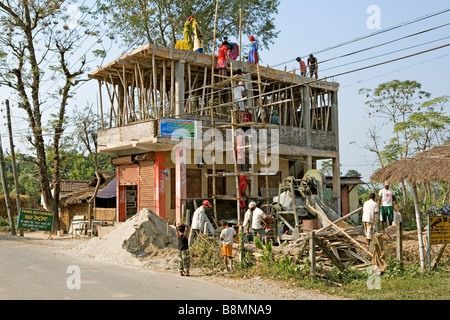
x: 149, y: 94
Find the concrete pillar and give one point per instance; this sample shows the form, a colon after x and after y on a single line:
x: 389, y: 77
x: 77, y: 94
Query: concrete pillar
x: 159, y: 182
x: 337, y: 182
x: 308, y: 164
x: 335, y: 117
x: 306, y: 110
x: 179, y: 87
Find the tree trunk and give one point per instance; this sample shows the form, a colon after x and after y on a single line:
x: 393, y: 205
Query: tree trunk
x: 419, y: 228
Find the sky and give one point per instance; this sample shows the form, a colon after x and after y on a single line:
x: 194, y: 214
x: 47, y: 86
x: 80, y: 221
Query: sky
x: 311, y: 26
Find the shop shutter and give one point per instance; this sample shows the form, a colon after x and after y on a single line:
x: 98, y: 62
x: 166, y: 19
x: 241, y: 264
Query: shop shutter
x: 146, y: 186
x: 128, y: 174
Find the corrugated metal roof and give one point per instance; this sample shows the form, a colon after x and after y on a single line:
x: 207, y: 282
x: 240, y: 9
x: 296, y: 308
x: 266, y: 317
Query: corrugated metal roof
x: 345, y: 180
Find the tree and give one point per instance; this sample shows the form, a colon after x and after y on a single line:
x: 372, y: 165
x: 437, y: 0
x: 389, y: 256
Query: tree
x: 146, y: 21
x: 395, y: 101
x: 413, y: 130
x: 36, y: 39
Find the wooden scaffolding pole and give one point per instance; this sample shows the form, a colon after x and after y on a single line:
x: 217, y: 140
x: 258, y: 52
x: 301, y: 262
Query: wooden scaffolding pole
x: 212, y: 112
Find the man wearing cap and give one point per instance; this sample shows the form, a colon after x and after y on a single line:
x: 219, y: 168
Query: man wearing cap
x: 199, y: 219
x: 257, y: 218
x: 386, y: 197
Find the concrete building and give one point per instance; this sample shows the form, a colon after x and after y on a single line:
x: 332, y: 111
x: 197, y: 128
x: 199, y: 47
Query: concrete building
x: 148, y: 93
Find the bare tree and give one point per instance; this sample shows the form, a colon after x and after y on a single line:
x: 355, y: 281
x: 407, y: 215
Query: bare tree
x: 37, y: 41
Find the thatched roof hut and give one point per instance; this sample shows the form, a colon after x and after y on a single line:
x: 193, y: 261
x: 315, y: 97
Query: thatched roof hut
x: 428, y: 166
x: 431, y: 165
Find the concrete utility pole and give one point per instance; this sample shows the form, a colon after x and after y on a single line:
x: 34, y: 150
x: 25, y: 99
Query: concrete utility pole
x: 5, y: 189
x: 13, y: 160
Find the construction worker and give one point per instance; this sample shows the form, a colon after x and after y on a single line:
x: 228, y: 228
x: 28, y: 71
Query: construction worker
x: 188, y: 33
x: 257, y: 219
x: 302, y: 66
x: 313, y: 66
x: 198, y: 221
x: 386, y: 198
x: 248, y: 225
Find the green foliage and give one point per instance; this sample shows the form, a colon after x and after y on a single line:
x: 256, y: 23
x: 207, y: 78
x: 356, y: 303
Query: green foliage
x: 4, y: 224
x: 162, y: 20
x: 206, y: 253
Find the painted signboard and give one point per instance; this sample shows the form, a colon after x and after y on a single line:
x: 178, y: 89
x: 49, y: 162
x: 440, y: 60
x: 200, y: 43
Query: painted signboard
x: 32, y: 219
x: 178, y: 128
x: 439, y: 230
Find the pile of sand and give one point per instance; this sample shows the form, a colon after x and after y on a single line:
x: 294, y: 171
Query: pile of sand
x: 143, y: 236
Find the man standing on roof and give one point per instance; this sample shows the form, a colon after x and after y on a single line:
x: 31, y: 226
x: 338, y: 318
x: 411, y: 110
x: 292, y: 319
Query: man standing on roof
x: 302, y: 66
x: 313, y: 66
x: 386, y: 197
x: 188, y: 33
x: 253, y: 53
x: 198, y: 220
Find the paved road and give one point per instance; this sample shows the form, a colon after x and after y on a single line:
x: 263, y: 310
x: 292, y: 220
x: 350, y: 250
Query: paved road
x: 35, y: 272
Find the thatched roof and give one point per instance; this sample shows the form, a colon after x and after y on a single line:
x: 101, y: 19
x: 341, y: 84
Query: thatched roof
x: 428, y: 166
x: 86, y: 193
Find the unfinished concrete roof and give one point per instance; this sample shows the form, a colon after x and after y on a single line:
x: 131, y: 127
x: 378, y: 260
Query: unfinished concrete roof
x: 143, y: 57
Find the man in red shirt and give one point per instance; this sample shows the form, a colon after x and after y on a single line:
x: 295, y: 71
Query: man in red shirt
x: 302, y: 66
x: 244, y: 191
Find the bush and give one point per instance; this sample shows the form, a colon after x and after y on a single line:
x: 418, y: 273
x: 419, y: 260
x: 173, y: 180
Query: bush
x: 4, y: 224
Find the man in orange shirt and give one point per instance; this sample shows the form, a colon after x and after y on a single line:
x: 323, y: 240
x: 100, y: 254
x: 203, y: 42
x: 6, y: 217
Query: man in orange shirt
x: 302, y: 66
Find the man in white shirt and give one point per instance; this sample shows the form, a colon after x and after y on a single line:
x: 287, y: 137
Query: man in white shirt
x: 239, y: 95
x: 257, y: 219
x: 248, y: 225
x: 386, y: 197
x: 370, y: 217
x: 198, y: 220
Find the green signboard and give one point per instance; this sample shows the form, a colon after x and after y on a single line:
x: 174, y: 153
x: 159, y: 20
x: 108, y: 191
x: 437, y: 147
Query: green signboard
x: 33, y: 219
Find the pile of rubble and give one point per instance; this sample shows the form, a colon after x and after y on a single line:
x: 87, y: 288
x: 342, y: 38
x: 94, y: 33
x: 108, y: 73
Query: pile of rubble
x: 143, y: 236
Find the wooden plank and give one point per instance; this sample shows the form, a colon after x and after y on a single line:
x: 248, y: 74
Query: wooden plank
x: 324, y: 216
x: 335, y: 260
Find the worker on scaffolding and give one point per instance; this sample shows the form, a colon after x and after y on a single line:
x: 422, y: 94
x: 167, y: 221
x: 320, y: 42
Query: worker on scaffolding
x: 244, y: 192
x: 198, y: 37
x: 253, y: 56
x: 222, y: 59
x: 239, y: 96
x: 188, y: 32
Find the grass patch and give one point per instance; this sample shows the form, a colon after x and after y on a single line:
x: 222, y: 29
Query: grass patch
x: 396, y: 283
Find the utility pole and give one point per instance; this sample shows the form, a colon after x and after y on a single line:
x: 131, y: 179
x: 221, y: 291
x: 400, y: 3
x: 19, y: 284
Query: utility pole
x: 5, y: 189
x: 13, y: 160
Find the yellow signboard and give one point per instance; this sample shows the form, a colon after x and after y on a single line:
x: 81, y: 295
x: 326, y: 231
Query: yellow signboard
x: 439, y: 230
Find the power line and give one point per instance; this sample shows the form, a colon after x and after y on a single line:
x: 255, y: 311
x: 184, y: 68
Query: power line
x: 385, y: 43
x: 372, y: 34
x: 385, y: 54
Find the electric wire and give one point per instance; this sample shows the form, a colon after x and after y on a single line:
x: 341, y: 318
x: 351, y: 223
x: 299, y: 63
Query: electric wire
x: 371, y: 34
